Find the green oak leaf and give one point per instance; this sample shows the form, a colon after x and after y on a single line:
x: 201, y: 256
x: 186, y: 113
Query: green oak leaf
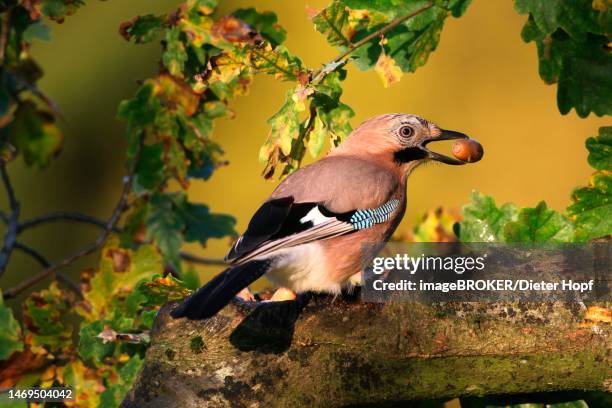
x: 10, y: 332
x: 59, y: 9
x: 120, y: 271
x: 230, y: 78
x: 539, y: 224
x: 141, y: 110
x: 196, y: 131
x: 266, y: 24
x: 201, y: 224
x: 411, y: 49
x: 317, y: 137
x: 275, y: 61
x: 142, y: 29
x: 38, y: 30
x: 576, y: 17
x: 91, y: 347
x: 584, y: 81
x: 149, y: 171
x: 600, y: 149
x: 337, y: 122
x: 483, y: 221
x: 401, y: 7
x: 290, y: 136
x: 333, y: 22
x: 592, y: 207
x: 43, y: 314
x: 116, y: 392
x: 135, y: 300
x: 334, y: 115
x: 175, y: 55
x: 572, y: 42
x: 164, y: 225
x: 172, y: 219
x: 35, y: 135
x: 176, y: 163
x: 458, y: 7
x: 285, y: 128
x: 332, y: 120
x: 345, y: 22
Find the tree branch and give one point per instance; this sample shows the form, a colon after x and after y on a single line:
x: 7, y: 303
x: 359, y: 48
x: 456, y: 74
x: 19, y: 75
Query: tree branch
x: 200, y: 260
x: 44, y: 262
x: 10, y: 237
x: 370, y: 354
x: 97, y: 244
x: 321, y: 72
x: 63, y: 216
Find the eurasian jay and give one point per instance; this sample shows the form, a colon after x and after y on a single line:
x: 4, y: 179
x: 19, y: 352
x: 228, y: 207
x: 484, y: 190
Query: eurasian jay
x: 308, y: 235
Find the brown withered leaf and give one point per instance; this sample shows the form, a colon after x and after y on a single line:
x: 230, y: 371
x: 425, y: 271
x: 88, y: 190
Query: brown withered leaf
x: 26, y: 361
x: 235, y: 30
x: 120, y: 258
x: 31, y: 7
x: 125, y: 26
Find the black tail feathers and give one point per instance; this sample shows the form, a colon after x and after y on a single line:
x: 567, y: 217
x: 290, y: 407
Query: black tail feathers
x: 219, y: 291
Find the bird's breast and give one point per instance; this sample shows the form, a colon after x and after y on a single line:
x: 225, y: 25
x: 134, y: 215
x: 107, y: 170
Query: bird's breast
x: 303, y: 268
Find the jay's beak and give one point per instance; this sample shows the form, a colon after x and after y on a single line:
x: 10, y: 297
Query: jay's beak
x: 444, y: 135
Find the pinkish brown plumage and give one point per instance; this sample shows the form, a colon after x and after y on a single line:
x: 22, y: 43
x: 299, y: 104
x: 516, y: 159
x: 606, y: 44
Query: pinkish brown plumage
x: 308, y: 235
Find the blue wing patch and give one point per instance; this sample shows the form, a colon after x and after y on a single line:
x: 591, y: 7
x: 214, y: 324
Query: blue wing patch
x: 367, y: 218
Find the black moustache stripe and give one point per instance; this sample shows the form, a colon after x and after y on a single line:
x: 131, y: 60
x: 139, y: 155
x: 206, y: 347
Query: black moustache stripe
x: 409, y: 154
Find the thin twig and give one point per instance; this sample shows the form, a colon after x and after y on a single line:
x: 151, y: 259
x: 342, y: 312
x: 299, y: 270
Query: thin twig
x: 23, y: 285
x: 97, y: 244
x: 38, y: 257
x: 203, y: 261
x: 44, y: 262
x: 317, y: 75
x: 4, y: 33
x: 10, y: 237
x: 62, y: 216
x: 69, y: 283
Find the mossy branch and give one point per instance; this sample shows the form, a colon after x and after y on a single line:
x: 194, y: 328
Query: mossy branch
x: 345, y: 352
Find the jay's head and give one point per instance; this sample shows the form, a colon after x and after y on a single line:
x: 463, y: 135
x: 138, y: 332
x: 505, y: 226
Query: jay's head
x: 400, y: 140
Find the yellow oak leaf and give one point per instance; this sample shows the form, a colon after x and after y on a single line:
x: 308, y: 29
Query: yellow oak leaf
x: 388, y: 70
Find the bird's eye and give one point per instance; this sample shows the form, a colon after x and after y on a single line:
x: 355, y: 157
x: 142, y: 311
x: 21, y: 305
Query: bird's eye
x: 406, y: 131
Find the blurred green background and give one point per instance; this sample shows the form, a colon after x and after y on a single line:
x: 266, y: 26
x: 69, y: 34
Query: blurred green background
x: 483, y: 80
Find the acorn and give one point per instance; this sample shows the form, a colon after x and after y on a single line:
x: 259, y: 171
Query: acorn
x: 468, y: 150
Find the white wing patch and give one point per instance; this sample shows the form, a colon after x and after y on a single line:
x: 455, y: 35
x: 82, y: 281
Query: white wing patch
x: 315, y: 216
